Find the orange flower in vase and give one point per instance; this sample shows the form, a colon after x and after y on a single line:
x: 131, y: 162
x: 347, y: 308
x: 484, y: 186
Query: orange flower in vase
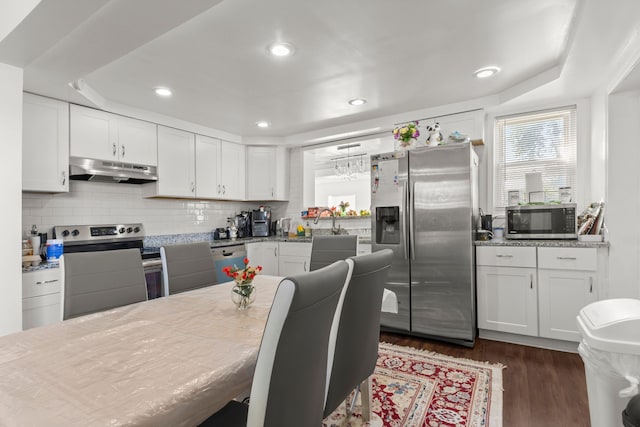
x: 243, y: 292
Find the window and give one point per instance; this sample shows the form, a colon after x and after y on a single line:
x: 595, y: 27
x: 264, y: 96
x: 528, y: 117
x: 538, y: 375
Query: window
x: 542, y: 141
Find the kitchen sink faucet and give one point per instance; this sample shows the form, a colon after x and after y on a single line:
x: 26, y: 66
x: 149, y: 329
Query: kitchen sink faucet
x: 334, y: 230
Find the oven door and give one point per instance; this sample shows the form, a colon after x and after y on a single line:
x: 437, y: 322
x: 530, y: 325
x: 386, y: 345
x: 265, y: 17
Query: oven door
x: 541, y: 222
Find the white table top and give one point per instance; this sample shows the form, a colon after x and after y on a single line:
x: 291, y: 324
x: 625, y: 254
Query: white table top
x: 166, y: 362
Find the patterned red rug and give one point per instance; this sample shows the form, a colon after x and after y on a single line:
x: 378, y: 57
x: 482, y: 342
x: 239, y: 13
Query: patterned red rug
x: 424, y: 389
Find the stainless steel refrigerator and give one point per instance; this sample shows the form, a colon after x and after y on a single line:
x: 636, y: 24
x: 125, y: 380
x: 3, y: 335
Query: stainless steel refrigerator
x: 424, y: 205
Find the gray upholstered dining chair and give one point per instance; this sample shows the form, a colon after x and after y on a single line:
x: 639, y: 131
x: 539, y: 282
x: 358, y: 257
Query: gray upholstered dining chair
x: 289, y: 382
x: 98, y: 281
x: 328, y: 249
x: 186, y: 267
x: 353, y: 348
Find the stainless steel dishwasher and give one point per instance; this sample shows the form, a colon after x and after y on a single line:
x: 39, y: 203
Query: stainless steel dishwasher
x: 228, y: 255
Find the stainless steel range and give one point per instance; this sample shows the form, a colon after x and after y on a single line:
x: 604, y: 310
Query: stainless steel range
x: 107, y: 237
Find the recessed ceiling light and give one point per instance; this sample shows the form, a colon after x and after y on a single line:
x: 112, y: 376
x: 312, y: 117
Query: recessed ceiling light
x: 162, y: 91
x: 262, y: 124
x: 485, y: 72
x: 357, y: 101
x: 281, y: 49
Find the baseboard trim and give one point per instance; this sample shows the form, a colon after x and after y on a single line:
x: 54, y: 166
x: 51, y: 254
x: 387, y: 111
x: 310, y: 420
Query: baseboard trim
x: 547, y: 343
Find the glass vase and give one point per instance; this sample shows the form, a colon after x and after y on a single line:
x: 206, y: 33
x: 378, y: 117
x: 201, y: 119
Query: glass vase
x: 243, y: 295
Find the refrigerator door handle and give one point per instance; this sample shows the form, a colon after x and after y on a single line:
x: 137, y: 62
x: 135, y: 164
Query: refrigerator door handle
x: 412, y: 241
x: 405, y: 191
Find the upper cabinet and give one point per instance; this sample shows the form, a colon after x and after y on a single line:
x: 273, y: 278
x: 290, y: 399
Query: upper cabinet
x: 45, y: 144
x: 192, y: 165
x: 176, y: 163
x: 96, y: 134
x: 267, y: 173
x: 232, y: 166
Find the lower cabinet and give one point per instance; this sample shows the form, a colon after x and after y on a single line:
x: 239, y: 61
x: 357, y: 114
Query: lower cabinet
x: 294, y: 258
x: 507, y: 289
x: 264, y: 254
x: 568, y: 281
x: 537, y: 291
x: 508, y: 299
x: 280, y: 258
x: 41, y: 298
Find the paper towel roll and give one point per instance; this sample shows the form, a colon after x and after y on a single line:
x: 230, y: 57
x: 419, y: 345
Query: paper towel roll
x: 35, y: 244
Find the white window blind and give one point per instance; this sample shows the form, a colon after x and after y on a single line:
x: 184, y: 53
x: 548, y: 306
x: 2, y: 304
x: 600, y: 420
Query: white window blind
x: 541, y: 141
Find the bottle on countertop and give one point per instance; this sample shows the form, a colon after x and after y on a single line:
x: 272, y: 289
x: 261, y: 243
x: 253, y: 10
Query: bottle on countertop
x: 307, y: 230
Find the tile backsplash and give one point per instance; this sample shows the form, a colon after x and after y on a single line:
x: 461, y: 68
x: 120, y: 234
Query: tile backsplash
x: 105, y: 203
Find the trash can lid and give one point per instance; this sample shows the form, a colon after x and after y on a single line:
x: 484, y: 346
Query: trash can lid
x: 612, y: 325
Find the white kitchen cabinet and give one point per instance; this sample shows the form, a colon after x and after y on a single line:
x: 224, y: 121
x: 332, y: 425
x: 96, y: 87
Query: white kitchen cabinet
x: 364, y: 248
x: 568, y: 281
x: 220, y: 169
x: 45, y: 144
x: 207, y: 158
x: 232, y: 166
x: 41, y: 298
x: 267, y: 183
x: 264, y: 254
x: 176, y: 163
x: 97, y: 134
x: 294, y: 258
x: 507, y: 289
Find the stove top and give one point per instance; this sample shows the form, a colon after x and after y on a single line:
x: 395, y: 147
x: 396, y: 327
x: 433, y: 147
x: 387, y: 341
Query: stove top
x: 104, y: 233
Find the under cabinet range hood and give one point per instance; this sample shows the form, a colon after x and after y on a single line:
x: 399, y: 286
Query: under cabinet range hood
x: 107, y: 171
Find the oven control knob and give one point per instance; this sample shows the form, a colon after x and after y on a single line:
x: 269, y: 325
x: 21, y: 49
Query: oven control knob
x: 129, y: 230
x: 65, y: 233
x: 136, y: 230
x: 75, y: 233
x: 121, y: 230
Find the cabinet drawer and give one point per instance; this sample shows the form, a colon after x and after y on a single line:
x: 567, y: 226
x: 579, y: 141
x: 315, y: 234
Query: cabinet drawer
x: 295, y: 249
x: 40, y: 311
x: 568, y: 258
x: 506, y: 256
x: 43, y: 282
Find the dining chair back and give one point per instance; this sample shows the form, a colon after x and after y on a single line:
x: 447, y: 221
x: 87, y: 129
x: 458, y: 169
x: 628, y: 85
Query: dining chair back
x: 289, y: 382
x: 354, y: 349
x: 329, y: 249
x: 186, y: 267
x: 98, y: 281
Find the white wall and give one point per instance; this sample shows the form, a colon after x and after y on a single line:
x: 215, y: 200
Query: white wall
x: 10, y: 189
x: 623, y: 197
x: 105, y: 203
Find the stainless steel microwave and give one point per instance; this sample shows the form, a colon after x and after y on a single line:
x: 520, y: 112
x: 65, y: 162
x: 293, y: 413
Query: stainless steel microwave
x: 541, y: 222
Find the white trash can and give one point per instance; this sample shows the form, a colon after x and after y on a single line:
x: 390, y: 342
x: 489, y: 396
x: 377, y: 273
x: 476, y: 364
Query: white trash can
x: 610, y: 349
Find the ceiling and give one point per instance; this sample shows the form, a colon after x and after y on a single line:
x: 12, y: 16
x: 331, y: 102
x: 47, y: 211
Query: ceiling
x: 400, y: 56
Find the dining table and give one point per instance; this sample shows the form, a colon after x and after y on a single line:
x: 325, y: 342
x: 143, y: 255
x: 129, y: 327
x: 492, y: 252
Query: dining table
x: 171, y: 361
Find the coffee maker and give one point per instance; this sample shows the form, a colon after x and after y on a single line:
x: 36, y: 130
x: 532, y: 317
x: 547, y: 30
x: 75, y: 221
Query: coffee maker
x: 243, y: 223
x: 260, y: 222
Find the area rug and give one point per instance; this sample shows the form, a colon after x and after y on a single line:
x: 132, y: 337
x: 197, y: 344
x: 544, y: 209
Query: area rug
x: 417, y: 388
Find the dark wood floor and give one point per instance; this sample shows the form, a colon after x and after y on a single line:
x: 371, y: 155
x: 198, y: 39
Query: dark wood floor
x: 541, y: 387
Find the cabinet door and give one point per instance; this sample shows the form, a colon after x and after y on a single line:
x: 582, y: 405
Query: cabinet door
x: 289, y: 265
x: 282, y: 173
x: 507, y: 299
x: 207, y: 169
x: 232, y: 171
x: 45, y: 144
x: 41, y: 310
x: 261, y: 167
x: 93, y: 134
x: 264, y: 254
x: 138, y: 142
x: 176, y: 163
x: 562, y: 294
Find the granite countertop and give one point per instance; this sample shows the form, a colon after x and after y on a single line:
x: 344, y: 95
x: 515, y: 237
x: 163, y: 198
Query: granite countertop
x: 542, y: 243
